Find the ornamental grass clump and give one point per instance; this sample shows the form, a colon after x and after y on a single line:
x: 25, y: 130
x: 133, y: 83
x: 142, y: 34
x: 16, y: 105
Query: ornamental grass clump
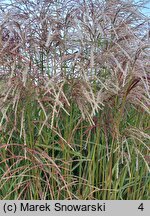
x: 74, y: 100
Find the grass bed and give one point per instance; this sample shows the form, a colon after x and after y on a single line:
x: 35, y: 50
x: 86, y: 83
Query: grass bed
x: 74, y: 108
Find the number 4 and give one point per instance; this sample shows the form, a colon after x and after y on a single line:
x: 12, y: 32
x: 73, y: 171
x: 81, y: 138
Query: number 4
x: 141, y: 207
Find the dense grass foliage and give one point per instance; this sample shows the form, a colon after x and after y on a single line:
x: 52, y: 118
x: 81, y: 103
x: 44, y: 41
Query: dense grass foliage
x: 74, y: 100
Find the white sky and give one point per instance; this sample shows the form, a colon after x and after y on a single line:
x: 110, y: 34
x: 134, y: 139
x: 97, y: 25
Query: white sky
x: 146, y: 10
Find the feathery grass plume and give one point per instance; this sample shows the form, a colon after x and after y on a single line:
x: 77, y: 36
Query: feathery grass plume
x: 74, y: 100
